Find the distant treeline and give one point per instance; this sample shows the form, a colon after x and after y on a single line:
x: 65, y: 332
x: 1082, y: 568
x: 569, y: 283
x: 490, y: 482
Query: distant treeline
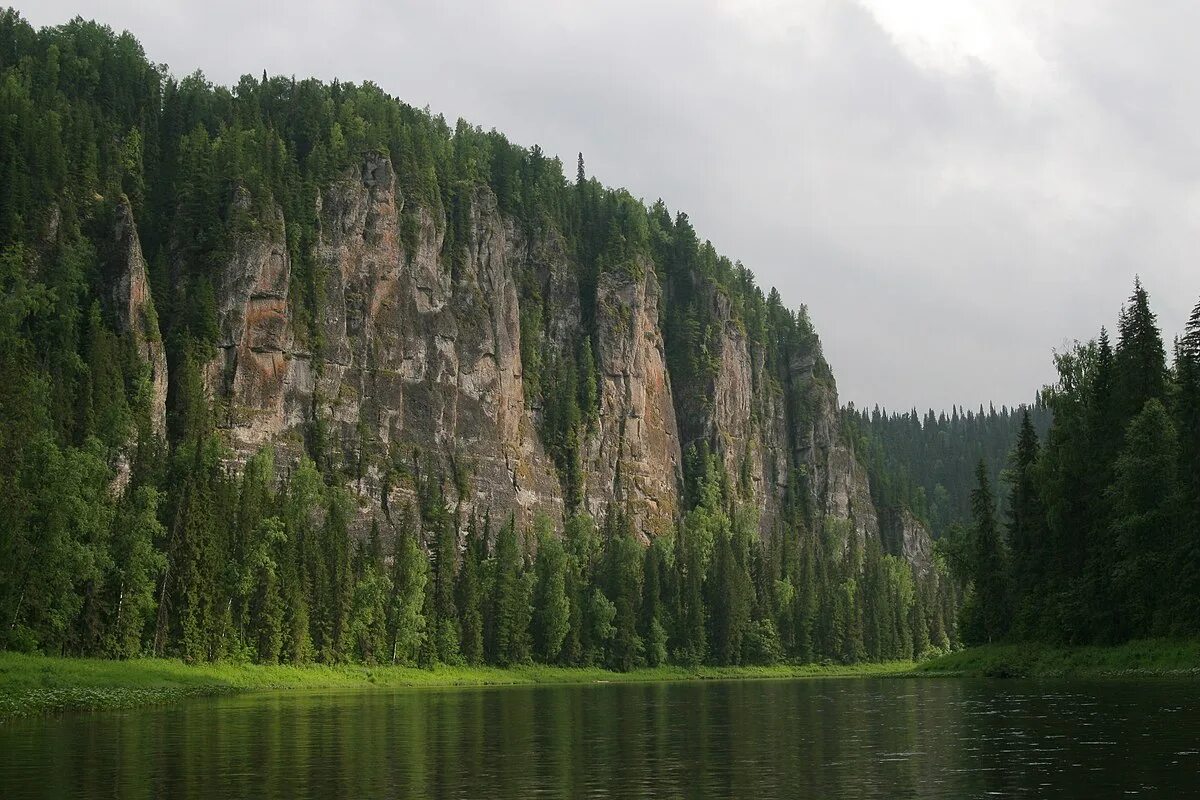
x: 927, y: 463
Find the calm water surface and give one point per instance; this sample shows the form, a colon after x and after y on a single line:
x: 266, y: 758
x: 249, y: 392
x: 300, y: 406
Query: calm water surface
x: 751, y: 739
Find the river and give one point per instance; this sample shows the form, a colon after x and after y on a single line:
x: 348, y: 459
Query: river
x: 829, y: 738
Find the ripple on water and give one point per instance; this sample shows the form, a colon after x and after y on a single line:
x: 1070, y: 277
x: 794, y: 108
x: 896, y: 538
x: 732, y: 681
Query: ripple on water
x: 867, y: 738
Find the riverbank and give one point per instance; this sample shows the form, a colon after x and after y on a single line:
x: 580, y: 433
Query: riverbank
x: 39, y: 684
x: 1152, y: 658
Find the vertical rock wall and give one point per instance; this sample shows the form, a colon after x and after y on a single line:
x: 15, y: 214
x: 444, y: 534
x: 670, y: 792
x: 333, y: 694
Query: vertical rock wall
x: 416, y: 355
x: 135, y: 314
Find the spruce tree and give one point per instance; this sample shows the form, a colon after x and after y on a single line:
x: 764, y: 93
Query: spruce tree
x: 302, y: 499
x: 469, y: 597
x: 1146, y: 520
x: 552, y: 607
x: 691, y: 644
x: 511, y: 601
x: 266, y: 616
x: 1140, y: 361
x: 372, y: 591
x: 652, y: 629
x: 988, y: 616
x: 334, y: 583
x: 410, y: 574
x: 624, y: 567
x: 444, y: 623
x: 1188, y: 424
x: 1026, y: 528
x: 137, y: 565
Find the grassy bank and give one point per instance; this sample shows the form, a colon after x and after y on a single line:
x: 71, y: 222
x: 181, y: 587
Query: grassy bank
x: 40, y: 684
x: 1141, y: 659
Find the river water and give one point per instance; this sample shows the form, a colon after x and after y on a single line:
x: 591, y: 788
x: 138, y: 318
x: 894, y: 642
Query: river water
x: 853, y: 738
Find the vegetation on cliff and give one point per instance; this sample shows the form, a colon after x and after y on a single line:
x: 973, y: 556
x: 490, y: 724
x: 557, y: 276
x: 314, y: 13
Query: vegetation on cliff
x: 120, y: 538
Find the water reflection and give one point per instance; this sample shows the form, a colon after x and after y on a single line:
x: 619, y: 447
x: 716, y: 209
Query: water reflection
x: 761, y: 740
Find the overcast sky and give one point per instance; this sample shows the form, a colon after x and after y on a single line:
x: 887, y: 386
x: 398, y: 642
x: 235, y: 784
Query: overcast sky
x: 954, y: 189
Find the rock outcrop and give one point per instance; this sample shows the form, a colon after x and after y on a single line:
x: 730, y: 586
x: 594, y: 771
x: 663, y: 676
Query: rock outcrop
x: 134, y: 311
x: 415, y: 356
x: 838, y: 481
x: 252, y: 372
x: 906, y: 537
x: 765, y: 425
x: 634, y: 454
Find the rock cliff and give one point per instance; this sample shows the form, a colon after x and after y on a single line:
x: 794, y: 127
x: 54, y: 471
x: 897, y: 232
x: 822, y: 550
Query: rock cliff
x: 415, y: 357
x: 634, y: 454
x: 134, y: 311
x: 252, y: 371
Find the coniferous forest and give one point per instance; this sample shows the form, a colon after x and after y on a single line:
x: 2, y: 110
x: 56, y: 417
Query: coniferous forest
x: 927, y: 462
x: 1075, y: 520
x: 137, y: 520
x: 1099, y: 541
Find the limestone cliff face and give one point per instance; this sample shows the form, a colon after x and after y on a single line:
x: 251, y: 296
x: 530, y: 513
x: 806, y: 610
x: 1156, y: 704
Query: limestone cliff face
x: 253, y: 369
x: 634, y: 453
x: 765, y: 424
x: 416, y: 355
x: 838, y: 482
x: 135, y: 314
x: 417, y: 360
x: 907, y: 537
x: 748, y: 425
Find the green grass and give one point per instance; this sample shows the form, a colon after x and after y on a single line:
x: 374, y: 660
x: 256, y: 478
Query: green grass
x: 1140, y: 659
x: 40, y: 684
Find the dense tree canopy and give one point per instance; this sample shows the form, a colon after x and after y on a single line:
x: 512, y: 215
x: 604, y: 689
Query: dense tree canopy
x: 1102, y: 536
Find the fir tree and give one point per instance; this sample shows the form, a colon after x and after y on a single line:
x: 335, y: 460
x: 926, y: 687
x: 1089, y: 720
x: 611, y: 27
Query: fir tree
x: 410, y: 574
x: 1026, y: 526
x: 1145, y: 498
x: 988, y: 617
x: 511, y: 601
x: 469, y: 598
x: 552, y: 607
x: 1140, y: 363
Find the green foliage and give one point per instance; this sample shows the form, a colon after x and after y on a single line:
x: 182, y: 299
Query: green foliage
x: 1140, y: 658
x: 511, y: 601
x: 410, y: 574
x: 469, y: 597
x: 987, y: 616
x: 1102, y: 539
x: 31, y: 685
x: 1145, y: 505
x: 136, y: 567
x: 552, y: 615
x: 926, y: 463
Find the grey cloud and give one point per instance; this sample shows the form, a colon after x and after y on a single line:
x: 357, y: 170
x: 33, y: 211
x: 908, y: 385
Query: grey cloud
x: 945, y: 227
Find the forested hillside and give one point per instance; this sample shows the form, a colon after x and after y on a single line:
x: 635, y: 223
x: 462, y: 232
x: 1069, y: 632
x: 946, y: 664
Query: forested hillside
x: 1099, y: 540
x: 927, y: 462
x: 293, y: 371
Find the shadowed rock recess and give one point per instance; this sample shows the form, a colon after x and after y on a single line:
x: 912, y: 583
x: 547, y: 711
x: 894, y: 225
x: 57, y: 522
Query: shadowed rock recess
x: 415, y: 356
